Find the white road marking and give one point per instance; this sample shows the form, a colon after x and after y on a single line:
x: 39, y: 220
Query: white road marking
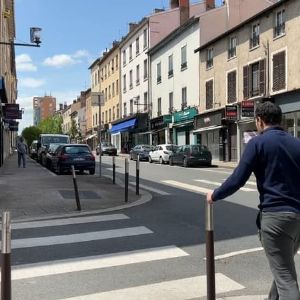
x: 180, y: 289
x: 219, y: 184
x: 151, y: 189
x: 96, y: 262
x: 186, y: 186
x: 79, y: 237
x: 214, y: 171
x: 69, y: 221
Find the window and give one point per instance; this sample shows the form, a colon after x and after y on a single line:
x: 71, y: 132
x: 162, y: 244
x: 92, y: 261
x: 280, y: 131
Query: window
x: 109, y: 92
x: 131, y: 106
x: 183, y: 98
x: 210, y: 58
x: 102, y: 119
x: 125, y: 109
x: 112, y: 65
x: 145, y: 38
x: 105, y: 95
x: 136, y: 102
x: 108, y: 69
x: 145, y: 69
x: 117, y: 62
x: 137, y: 46
x: 137, y: 74
x: 117, y: 87
x: 279, y: 74
x: 130, y: 52
x: 279, y: 28
x: 232, y: 47
x: 254, y: 40
x: 170, y: 72
x: 231, y: 87
x: 118, y: 111
x: 145, y: 101
x: 114, y: 114
x: 254, y: 79
x: 171, y: 102
x: 124, y: 83
x: 113, y: 89
x: 209, y: 94
x: 105, y: 72
x: 124, y: 57
x: 105, y: 116
x: 158, y: 73
x: 159, y: 107
x: 183, y: 58
x: 130, y: 80
x: 109, y: 115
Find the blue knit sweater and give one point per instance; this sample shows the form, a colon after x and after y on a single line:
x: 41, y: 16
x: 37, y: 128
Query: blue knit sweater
x: 274, y: 158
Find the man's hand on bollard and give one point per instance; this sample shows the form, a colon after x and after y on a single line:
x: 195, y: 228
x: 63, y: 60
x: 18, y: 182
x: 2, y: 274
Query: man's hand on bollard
x: 209, y: 197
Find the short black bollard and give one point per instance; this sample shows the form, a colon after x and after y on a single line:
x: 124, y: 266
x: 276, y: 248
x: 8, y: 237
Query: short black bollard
x: 5, y: 257
x: 114, y: 170
x: 76, y: 189
x: 126, y: 179
x: 137, y: 177
x: 210, y: 253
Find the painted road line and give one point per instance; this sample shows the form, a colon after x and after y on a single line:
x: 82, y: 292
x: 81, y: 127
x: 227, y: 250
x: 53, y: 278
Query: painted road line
x: 214, y: 171
x: 151, y: 189
x: 79, y: 237
x: 96, y: 262
x: 180, y: 289
x: 69, y: 221
x: 186, y: 186
x: 219, y: 184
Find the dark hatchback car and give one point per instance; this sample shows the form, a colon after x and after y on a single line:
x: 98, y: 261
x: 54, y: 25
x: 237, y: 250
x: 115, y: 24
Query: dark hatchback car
x: 191, y: 155
x: 142, y: 151
x: 78, y: 155
x: 50, y: 154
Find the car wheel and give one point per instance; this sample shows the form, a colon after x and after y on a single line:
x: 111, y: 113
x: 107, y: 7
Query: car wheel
x: 161, y: 161
x: 171, y: 161
x: 92, y: 172
x: 185, y: 162
x: 150, y: 159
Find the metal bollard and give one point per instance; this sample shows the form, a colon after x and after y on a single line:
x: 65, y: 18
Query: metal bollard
x: 114, y: 170
x: 137, y: 177
x: 76, y: 189
x: 210, y: 253
x: 100, y: 162
x: 126, y: 179
x: 5, y: 255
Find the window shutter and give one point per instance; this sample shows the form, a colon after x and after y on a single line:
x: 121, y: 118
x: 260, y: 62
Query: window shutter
x: 246, y: 81
x: 231, y: 87
x: 262, y: 77
x: 209, y: 94
x: 279, y: 75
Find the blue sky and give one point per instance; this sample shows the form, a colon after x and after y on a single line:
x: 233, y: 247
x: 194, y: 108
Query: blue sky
x: 74, y: 34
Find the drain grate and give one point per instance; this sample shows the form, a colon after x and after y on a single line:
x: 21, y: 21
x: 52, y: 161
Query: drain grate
x: 70, y: 194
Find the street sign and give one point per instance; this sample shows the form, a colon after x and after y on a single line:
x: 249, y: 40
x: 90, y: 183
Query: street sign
x: 11, y: 111
x: 247, y: 109
x: 95, y: 98
x: 13, y: 125
x: 231, y: 112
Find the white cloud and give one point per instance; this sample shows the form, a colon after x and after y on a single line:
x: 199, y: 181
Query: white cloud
x: 81, y: 53
x: 24, y: 63
x: 31, y: 82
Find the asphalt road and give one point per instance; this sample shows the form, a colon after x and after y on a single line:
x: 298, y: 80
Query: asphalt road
x: 153, y: 251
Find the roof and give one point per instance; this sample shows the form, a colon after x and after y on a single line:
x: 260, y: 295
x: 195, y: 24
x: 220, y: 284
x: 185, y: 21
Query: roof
x: 94, y: 63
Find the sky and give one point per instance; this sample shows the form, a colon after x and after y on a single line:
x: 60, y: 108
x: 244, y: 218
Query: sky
x: 74, y: 34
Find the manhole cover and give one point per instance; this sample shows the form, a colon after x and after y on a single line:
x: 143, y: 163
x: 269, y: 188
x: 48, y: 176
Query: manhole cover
x: 70, y: 194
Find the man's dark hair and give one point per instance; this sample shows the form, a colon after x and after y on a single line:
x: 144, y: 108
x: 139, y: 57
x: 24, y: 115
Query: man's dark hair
x: 269, y: 112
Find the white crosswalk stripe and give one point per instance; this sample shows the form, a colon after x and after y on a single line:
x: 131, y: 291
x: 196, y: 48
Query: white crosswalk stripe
x: 151, y: 189
x: 219, y: 184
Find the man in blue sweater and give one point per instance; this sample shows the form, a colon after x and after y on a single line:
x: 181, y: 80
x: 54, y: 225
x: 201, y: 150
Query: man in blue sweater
x: 274, y: 158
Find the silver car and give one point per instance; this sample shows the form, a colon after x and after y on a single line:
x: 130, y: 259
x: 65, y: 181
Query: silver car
x: 161, y: 153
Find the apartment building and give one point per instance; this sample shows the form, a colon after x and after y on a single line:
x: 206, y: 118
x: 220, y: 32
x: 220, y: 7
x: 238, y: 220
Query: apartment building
x: 43, y: 108
x: 253, y: 61
x: 8, y: 81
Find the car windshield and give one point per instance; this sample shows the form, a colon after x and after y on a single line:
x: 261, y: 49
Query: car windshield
x: 147, y: 147
x: 76, y: 149
x: 46, y: 140
x: 171, y: 148
x: 107, y: 145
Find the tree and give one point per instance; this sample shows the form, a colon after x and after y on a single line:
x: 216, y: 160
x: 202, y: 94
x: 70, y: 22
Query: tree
x: 74, y: 133
x: 31, y: 133
x: 51, y: 125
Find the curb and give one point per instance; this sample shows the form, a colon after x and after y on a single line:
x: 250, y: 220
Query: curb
x: 250, y: 297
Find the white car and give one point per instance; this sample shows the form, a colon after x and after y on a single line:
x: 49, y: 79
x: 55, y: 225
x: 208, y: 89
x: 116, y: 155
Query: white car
x: 161, y: 153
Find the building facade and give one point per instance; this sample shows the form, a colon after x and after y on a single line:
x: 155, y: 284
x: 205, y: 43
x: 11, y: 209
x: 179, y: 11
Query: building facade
x: 43, y: 108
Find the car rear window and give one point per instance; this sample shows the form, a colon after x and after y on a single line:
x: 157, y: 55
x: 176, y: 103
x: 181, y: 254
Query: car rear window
x: 76, y: 149
x: 171, y: 148
x: 198, y: 148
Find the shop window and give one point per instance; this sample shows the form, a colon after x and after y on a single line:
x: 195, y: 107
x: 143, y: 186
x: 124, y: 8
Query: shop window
x: 279, y: 74
x: 231, y: 87
x: 209, y: 94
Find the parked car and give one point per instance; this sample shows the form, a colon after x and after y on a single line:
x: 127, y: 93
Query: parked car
x: 142, y: 151
x: 106, y: 148
x: 161, y: 153
x: 79, y: 155
x: 33, y: 149
x: 50, y: 154
x: 191, y: 155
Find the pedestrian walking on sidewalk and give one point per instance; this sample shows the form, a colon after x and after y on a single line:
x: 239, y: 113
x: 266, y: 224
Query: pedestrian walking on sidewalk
x: 22, y: 151
x: 274, y: 158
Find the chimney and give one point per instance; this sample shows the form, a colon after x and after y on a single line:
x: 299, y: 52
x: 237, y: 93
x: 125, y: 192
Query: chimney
x: 184, y: 9
x: 65, y: 105
x: 132, y: 26
x: 61, y: 107
x: 210, y: 4
x: 174, y: 3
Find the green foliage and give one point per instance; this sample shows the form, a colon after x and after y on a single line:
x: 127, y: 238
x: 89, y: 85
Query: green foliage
x: 74, y: 132
x: 31, y: 133
x: 51, y: 125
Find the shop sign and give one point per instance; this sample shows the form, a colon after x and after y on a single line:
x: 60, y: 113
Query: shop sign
x: 167, y: 119
x: 13, y: 125
x: 187, y: 114
x: 231, y: 112
x: 11, y: 111
x: 247, y: 109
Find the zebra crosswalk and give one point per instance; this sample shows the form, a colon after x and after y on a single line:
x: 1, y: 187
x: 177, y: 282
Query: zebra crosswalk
x: 49, y: 257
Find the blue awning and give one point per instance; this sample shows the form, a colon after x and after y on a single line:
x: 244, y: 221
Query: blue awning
x: 3, y: 96
x: 123, y: 126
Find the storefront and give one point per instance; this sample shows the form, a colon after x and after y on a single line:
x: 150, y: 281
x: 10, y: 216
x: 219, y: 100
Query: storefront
x: 160, y: 131
x: 3, y: 99
x: 183, y: 126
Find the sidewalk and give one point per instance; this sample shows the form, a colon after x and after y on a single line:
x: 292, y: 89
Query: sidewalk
x: 35, y: 192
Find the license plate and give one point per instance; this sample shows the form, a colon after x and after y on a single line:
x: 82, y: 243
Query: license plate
x: 78, y: 159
